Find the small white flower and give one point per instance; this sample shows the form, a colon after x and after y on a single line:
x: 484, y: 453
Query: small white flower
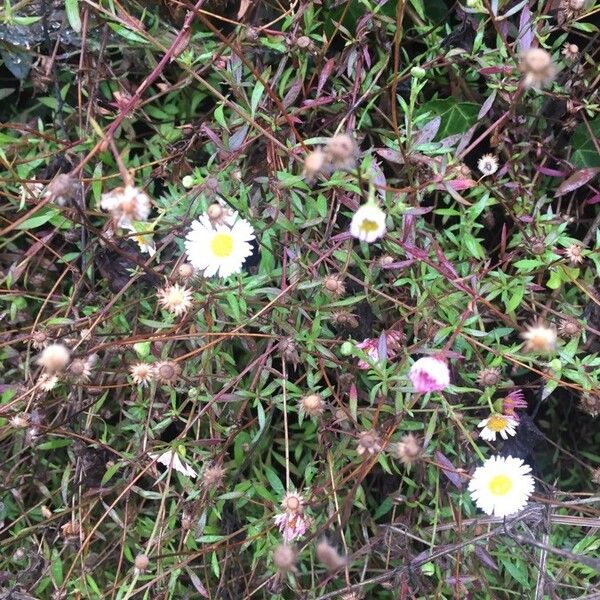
x: 497, y: 424
x: 487, y: 164
x: 171, y: 458
x: 175, y: 298
x: 368, y: 223
x: 501, y: 486
x: 219, y: 249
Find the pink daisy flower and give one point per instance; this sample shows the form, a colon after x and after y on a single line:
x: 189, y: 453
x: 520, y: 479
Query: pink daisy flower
x: 429, y: 374
x: 371, y: 347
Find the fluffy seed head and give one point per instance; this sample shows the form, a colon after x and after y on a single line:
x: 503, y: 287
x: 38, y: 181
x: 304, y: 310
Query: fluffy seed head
x: 166, y: 372
x: 539, y: 338
x: 487, y: 164
x: 369, y: 442
x: 47, y: 382
x: 312, y: 405
x: 141, y: 562
x: 537, y: 68
x: 489, y: 377
x: 213, y: 476
x: 314, y: 164
x: 329, y: 556
x: 334, y: 284
x: 284, y: 558
x: 54, y: 358
x: 342, y: 151
x: 20, y: 421
x: 61, y: 189
x: 408, y: 449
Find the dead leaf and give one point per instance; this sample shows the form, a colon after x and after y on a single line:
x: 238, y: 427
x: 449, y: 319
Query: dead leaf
x: 244, y: 6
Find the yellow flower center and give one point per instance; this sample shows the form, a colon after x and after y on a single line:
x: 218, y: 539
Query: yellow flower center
x: 368, y: 226
x: 500, y: 485
x: 497, y: 423
x: 222, y: 244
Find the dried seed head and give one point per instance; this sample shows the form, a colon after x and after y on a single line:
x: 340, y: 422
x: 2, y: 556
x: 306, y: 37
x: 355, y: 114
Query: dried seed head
x: 569, y: 328
x: 312, y: 405
x: 590, y: 404
x: 289, y: 350
x: 329, y: 556
x: 175, y: 299
x: 185, y: 272
x: 166, y: 372
x: 369, y: 442
x: 342, y: 151
x: 39, y: 340
x: 539, y: 338
x: 596, y: 476
x: 71, y: 530
x: 489, y: 377
x: 570, y: 51
x: 213, y: 476
x: 215, y: 212
x: 293, y: 503
x: 47, y: 382
x: 284, y: 558
x: 141, y: 373
x: 487, y: 164
x: 334, y: 284
x: 537, y: 68
x: 54, y: 358
x: 538, y: 247
x: 80, y: 369
x: 141, y: 562
x: 303, y: 41
x: 343, y: 318
x: 574, y: 254
x: 61, y: 189
x: 314, y: 164
x: 20, y: 421
x: 408, y: 449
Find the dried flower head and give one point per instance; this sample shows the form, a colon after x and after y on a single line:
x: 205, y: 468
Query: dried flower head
x: 334, y: 284
x: 570, y: 51
x: 487, y: 164
x: 293, y: 502
x: 574, y: 254
x: 344, y: 318
x: 569, y: 327
x: 312, y: 405
x: 213, y: 476
x: 47, y: 382
x: 429, y: 374
x: 596, y: 476
x: 489, y: 377
x: 54, y: 358
x: 20, y: 421
x: 372, y: 345
x: 71, y: 530
x: 289, y: 350
x: 329, y: 556
x: 80, y: 369
x: 569, y: 9
x: 284, y: 558
x: 315, y: 164
x: 408, y: 450
x: 590, y: 403
x: 369, y: 442
x: 166, y: 372
x: 291, y: 522
x: 537, y: 67
x: 126, y: 204
x: 141, y: 562
x: 39, y: 339
x: 342, y: 151
x: 175, y: 299
x: 185, y: 272
x: 141, y: 373
x: 61, y: 189
x: 539, y: 338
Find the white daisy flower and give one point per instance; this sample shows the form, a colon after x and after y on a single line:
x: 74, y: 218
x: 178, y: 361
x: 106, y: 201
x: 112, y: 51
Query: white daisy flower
x: 219, y: 250
x: 495, y: 424
x: 368, y: 223
x: 171, y: 458
x: 501, y: 486
x: 487, y: 164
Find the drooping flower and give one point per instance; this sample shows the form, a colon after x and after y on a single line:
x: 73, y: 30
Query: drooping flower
x: 515, y: 400
x: 429, y: 374
x: 501, y: 486
x: 219, y: 249
x: 371, y: 347
x: 171, y: 458
x: 175, y: 299
x: 497, y: 424
x: 54, y: 358
x: 539, y: 338
x: 537, y: 67
x: 368, y: 223
x: 291, y: 522
x: 487, y: 164
x: 141, y: 373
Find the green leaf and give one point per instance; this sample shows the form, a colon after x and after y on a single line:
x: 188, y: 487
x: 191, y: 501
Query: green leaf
x: 39, y: 218
x: 72, y: 10
x: 257, y: 93
x: 584, y: 151
x: 456, y: 117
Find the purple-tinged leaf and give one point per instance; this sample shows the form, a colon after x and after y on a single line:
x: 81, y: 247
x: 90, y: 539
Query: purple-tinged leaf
x: 390, y: 155
x: 212, y: 136
x: 197, y: 584
x: 292, y: 93
x: 237, y: 139
x: 452, y: 191
x: 576, y: 180
x: 525, y: 30
x: 551, y: 172
x: 457, y: 184
x: 594, y: 199
x: 465, y: 140
x: 428, y: 131
x: 448, y: 470
x: 484, y: 556
x: 487, y: 105
x: 382, y: 346
x: 325, y: 73
x: 378, y: 179
x: 495, y: 71
x: 319, y: 101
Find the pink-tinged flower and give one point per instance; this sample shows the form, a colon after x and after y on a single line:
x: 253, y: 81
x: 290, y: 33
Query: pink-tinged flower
x: 291, y: 522
x: 371, y: 347
x: 512, y: 402
x: 429, y: 374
